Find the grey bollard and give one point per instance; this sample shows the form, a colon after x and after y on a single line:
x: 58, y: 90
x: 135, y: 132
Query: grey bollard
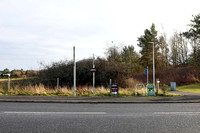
x: 173, y: 86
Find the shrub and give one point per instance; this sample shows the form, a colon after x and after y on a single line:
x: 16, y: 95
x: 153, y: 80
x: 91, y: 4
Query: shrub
x: 182, y: 75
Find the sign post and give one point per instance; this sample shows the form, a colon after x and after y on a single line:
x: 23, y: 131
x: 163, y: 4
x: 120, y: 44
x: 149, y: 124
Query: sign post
x: 146, y: 73
x: 8, y: 81
x: 93, y: 75
x: 93, y: 70
x: 114, y: 89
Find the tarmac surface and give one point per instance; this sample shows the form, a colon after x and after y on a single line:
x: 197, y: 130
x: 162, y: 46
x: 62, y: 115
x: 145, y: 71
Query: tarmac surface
x: 185, y: 98
x: 18, y: 117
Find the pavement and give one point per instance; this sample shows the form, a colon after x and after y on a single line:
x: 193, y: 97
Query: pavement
x: 185, y: 98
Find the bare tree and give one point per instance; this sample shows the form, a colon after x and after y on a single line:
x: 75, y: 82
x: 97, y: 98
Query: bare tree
x: 179, y: 49
x: 164, y: 50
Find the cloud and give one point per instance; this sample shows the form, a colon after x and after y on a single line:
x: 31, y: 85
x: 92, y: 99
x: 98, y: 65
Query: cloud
x: 46, y: 30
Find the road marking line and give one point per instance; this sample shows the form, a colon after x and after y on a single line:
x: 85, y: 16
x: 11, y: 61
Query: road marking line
x: 176, y: 112
x: 87, y: 113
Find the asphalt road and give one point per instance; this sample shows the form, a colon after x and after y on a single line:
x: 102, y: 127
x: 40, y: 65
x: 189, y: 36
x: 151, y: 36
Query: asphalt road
x: 58, y: 117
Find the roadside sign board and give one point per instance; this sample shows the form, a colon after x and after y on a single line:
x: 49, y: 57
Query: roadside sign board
x: 93, y: 70
x: 114, y: 89
x: 145, y: 71
x: 150, y: 90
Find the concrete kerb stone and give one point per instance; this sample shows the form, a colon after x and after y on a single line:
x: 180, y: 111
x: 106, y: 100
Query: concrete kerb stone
x: 101, y: 100
x: 78, y: 102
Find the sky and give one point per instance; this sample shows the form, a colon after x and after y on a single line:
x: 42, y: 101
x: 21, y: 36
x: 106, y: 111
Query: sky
x: 45, y: 31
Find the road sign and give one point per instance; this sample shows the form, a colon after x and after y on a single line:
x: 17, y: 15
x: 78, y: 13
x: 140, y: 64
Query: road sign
x: 145, y: 71
x: 93, y: 70
x: 150, y: 90
x: 114, y: 89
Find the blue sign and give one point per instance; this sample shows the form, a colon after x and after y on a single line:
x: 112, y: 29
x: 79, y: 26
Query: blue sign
x: 146, y: 70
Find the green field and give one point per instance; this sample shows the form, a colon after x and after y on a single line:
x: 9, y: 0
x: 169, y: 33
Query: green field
x: 12, y: 79
x: 193, y: 88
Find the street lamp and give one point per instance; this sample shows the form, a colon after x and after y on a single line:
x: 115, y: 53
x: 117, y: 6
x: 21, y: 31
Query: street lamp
x: 153, y: 64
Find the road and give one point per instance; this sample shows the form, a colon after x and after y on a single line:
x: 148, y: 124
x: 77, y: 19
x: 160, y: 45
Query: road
x: 58, y: 117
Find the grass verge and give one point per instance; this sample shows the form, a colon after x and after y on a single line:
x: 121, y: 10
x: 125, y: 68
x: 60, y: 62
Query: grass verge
x: 41, y: 90
x: 193, y: 88
x: 14, y: 79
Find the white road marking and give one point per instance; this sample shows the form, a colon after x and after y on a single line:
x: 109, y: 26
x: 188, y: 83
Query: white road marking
x: 71, y: 113
x: 168, y: 113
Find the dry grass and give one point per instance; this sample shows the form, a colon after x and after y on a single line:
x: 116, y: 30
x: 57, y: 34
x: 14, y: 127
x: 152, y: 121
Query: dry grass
x: 64, y: 91
x: 131, y: 83
x: 15, y: 79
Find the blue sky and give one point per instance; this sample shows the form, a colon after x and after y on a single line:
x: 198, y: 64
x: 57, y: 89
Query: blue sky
x: 34, y: 31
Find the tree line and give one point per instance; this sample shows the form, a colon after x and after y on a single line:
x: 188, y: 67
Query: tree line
x: 123, y: 62
x: 18, y: 73
x: 172, y: 52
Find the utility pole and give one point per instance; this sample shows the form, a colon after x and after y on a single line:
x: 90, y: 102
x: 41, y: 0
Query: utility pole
x: 93, y: 76
x: 74, y: 71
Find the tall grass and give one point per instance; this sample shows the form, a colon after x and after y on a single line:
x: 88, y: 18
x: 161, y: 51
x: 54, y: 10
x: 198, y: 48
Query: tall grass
x: 42, y: 90
x: 27, y: 87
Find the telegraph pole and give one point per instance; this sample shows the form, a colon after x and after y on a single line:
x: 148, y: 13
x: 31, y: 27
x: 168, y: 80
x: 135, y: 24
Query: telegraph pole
x: 74, y: 71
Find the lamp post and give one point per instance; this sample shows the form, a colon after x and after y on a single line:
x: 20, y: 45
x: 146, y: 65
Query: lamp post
x: 153, y: 65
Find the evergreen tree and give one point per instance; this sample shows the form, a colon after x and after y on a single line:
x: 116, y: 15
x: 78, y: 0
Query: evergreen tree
x: 193, y: 34
x: 130, y: 59
x: 147, y: 47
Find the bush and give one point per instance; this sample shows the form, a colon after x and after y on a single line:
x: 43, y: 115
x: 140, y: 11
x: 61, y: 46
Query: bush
x: 182, y: 75
x: 64, y: 71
